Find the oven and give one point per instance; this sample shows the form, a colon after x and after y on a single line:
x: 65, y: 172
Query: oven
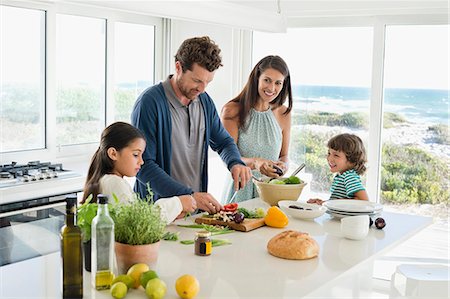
x: 35, y: 190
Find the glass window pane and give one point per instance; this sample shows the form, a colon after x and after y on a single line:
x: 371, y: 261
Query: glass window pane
x: 331, y: 77
x: 416, y: 143
x: 80, y: 73
x: 133, y: 65
x: 22, y: 83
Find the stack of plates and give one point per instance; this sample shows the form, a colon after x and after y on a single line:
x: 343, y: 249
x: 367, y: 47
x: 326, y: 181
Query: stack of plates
x: 351, y: 207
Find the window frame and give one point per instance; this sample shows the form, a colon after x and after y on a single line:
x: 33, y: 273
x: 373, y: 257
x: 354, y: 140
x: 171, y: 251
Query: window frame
x: 378, y: 23
x: 52, y: 150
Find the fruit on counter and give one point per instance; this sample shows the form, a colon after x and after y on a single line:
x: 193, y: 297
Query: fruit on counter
x: 135, y: 272
x: 155, y: 288
x: 276, y: 218
x: 380, y: 223
x: 370, y: 221
x: 126, y: 279
x: 146, y: 276
x: 187, y: 286
x: 119, y: 290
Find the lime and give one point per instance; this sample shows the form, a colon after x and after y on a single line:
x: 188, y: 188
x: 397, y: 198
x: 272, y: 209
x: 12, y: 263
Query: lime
x: 187, y: 286
x: 126, y: 279
x: 155, y: 288
x: 146, y: 276
x: 135, y: 272
x: 119, y: 290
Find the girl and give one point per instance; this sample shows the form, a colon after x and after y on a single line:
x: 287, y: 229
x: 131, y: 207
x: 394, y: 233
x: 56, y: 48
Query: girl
x: 119, y: 155
x: 347, y: 158
x: 260, y: 123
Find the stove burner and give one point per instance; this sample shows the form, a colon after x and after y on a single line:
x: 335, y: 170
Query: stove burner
x: 33, y: 171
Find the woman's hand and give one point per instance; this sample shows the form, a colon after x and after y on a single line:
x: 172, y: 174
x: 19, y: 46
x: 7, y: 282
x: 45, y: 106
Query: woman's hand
x: 266, y: 167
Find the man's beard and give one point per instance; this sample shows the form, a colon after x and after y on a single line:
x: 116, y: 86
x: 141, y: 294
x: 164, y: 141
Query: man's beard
x: 191, y: 94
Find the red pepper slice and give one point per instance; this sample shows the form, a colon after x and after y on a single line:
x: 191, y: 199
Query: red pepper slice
x: 231, y: 207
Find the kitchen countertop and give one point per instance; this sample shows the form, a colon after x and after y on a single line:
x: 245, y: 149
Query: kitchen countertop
x: 243, y: 269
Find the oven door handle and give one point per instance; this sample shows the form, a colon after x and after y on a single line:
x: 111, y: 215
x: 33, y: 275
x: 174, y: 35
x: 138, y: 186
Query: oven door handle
x: 43, y: 207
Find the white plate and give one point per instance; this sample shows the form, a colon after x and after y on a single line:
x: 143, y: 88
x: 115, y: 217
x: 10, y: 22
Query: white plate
x: 344, y: 214
x: 307, y: 211
x: 352, y: 205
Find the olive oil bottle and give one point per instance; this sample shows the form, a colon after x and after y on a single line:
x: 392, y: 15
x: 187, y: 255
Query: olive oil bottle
x: 72, y: 257
x: 102, y: 256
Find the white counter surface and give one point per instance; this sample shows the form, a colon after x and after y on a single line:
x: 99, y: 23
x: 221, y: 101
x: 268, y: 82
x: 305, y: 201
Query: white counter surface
x: 242, y: 270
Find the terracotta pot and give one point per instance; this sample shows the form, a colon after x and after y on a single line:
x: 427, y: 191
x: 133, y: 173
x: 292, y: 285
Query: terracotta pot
x: 128, y: 255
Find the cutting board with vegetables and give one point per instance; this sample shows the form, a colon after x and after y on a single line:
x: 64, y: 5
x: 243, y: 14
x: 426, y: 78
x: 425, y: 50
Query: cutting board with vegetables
x: 244, y: 226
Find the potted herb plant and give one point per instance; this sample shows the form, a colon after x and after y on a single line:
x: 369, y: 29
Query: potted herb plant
x: 138, y: 229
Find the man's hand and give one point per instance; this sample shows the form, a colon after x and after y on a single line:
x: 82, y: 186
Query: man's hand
x: 207, y: 202
x: 241, y: 175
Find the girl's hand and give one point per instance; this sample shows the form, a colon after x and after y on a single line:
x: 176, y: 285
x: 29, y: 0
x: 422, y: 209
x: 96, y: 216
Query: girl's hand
x: 316, y: 201
x: 188, y: 202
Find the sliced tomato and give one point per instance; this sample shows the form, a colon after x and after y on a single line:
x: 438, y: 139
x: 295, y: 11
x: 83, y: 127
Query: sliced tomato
x: 231, y: 207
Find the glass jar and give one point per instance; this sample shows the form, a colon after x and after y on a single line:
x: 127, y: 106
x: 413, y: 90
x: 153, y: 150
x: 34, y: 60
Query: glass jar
x: 203, y: 243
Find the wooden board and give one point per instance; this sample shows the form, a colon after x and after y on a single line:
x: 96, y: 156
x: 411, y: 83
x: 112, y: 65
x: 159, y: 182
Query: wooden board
x: 245, y: 226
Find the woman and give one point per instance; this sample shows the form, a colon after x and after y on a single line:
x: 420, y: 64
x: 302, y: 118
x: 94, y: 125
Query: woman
x: 260, y: 123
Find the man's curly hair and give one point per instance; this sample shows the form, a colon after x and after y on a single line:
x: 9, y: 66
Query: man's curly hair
x: 200, y: 50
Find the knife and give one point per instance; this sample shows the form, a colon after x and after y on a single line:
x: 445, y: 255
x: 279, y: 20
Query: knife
x: 234, y: 196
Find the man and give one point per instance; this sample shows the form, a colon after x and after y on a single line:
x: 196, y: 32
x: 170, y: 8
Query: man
x: 180, y: 123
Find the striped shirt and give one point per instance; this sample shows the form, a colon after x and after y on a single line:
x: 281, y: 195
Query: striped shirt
x: 345, y: 185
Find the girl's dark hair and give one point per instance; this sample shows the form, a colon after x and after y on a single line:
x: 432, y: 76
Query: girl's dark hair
x: 200, y: 50
x: 353, y: 148
x: 248, y: 97
x: 117, y: 135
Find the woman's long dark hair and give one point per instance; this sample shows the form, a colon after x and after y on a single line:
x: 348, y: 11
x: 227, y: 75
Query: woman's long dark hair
x: 117, y: 135
x: 248, y: 97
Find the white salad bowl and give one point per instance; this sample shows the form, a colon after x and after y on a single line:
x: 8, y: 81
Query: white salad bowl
x: 303, y: 210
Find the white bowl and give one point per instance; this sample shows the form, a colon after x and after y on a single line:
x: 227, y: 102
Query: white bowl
x: 305, y: 211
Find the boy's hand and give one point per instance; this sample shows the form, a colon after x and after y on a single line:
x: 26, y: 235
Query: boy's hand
x: 316, y: 201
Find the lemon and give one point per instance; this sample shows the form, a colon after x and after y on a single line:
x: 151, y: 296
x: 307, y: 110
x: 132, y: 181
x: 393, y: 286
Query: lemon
x: 126, y: 279
x: 155, y: 288
x: 135, y: 272
x: 187, y: 286
x: 119, y: 290
x: 146, y: 276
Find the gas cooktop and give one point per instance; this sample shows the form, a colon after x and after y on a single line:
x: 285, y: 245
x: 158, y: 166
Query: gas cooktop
x: 33, y: 172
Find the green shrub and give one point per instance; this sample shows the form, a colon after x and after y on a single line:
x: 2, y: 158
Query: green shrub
x: 390, y: 119
x: 411, y: 175
x: 441, y: 132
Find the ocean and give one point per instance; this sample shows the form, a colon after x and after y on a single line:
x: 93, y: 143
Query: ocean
x: 415, y: 105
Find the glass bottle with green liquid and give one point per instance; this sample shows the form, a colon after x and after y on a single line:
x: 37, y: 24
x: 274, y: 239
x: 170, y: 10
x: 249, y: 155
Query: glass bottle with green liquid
x: 102, y: 236
x: 71, y: 254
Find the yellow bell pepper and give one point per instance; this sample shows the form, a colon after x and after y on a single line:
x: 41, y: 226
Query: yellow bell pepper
x: 276, y: 218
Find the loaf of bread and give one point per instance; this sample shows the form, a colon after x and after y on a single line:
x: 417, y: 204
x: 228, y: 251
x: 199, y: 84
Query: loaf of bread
x: 293, y: 245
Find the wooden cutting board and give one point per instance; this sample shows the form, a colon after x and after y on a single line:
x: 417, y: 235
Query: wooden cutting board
x: 244, y: 226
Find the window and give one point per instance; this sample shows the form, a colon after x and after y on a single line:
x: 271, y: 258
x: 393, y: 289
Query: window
x: 416, y: 143
x: 133, y: 65
x: 331, y: 76
x: 22, y: 83
x: 80, y: 73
